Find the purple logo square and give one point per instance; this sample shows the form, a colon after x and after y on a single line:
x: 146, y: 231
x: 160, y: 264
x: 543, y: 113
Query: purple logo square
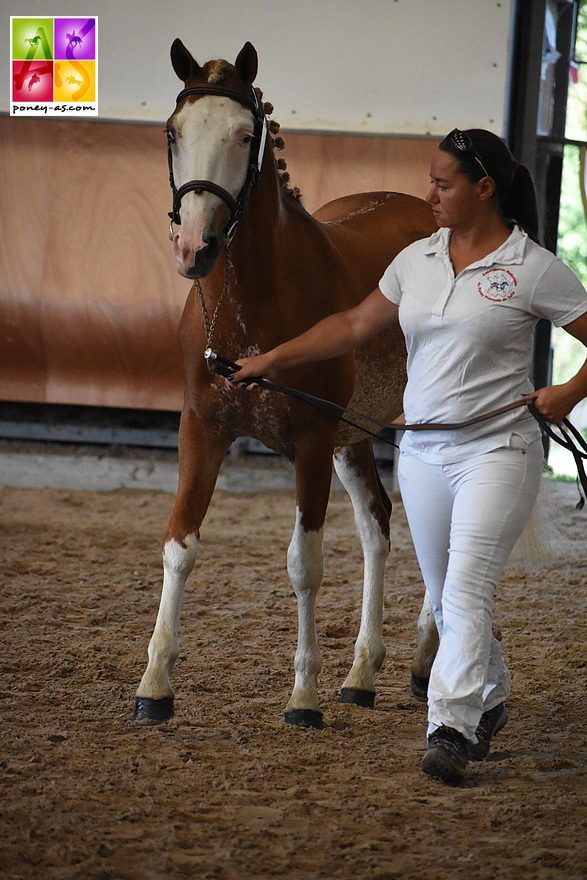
x: 75, y: 38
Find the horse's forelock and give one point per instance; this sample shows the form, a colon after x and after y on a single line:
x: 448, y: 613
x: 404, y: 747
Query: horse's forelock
x: 217, y: 72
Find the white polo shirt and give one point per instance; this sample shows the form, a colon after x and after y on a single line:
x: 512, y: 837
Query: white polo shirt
x: 470, y: 338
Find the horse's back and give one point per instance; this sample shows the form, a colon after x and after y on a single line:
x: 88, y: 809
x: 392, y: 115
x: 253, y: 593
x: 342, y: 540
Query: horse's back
x: 362, y: 209
x: 344, y: 207
x: 369, y: 229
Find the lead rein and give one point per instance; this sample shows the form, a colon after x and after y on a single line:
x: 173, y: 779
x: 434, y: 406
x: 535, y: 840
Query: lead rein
x: 227, y: 368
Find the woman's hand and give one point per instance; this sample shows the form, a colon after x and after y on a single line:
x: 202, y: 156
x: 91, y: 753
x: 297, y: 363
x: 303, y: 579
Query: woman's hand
x: 252, y: 368
x: 554, y: 402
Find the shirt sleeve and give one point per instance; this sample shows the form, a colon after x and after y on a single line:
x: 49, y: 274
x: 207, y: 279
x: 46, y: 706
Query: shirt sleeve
x: 559, y: 296
x: 389, y: 284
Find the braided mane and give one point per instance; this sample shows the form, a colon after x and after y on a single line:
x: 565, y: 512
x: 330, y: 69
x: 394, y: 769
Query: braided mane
x: 278, y: 143
x: 219, y: 72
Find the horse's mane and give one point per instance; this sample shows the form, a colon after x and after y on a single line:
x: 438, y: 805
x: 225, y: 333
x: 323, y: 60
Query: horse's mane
x: 278, y: 143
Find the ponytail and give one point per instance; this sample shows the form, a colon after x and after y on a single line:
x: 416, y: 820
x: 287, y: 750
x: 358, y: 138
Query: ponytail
x: 520, y: 202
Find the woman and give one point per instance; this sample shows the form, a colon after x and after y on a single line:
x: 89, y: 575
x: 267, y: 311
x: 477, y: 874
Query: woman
x: 467, y: 299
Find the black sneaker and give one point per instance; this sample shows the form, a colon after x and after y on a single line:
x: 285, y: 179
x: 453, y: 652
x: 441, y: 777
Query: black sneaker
x: 446, y: 758
x: 491, y: 723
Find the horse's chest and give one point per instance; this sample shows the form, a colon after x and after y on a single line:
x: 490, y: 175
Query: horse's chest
x: 263, y: 415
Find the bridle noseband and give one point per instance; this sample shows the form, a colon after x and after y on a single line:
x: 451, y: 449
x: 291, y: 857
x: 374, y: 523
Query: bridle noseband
x: 235, y: 206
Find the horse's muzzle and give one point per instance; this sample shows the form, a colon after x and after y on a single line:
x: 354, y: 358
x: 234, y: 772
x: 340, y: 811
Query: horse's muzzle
x: 204, y: 260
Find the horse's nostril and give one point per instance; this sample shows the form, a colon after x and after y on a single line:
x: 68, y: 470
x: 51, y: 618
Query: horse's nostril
x: 205, y: 257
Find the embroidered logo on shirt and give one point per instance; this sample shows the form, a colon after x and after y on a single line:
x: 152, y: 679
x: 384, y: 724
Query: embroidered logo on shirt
x: 497, y: 285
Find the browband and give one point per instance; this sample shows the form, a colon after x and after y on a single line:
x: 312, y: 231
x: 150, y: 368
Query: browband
x: 251, y: 103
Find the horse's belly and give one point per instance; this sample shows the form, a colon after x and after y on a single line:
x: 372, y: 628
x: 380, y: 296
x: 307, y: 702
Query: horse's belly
x: 379, y: 385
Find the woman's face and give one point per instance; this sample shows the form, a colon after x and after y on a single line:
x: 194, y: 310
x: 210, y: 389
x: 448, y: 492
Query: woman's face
x: 455, y: 199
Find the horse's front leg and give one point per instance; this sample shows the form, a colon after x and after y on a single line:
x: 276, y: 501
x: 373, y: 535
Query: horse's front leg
x: 356, y: 470
x: 305, y: 568
x: 201, y: 451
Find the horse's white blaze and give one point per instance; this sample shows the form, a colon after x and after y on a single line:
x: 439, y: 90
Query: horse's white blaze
x: 178, y: 561
x: 369, y: 646
x: 305, y: 568
x: 212, y: 142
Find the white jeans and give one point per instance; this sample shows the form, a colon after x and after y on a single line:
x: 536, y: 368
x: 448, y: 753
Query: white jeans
x: 465, y: 518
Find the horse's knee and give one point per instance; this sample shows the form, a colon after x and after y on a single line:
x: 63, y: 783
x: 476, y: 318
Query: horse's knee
x: 179, y: 556
x: 305, y: 562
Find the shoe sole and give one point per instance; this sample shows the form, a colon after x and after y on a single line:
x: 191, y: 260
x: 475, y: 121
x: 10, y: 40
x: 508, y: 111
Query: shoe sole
x: 437, y: 764
x: 479, y: 754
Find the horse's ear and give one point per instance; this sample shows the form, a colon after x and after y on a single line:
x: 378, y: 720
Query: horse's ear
x: 182, y: 61
x: 246, y: 63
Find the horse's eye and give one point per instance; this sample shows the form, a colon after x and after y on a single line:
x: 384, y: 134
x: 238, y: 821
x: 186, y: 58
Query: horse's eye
x: 170, y: 136
x: 247, y: 139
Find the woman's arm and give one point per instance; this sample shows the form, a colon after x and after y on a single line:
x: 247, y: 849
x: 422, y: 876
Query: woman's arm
x: 331, y: 337
x: 555, y: 402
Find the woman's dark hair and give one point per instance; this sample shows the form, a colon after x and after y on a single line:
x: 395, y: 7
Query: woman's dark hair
x: 514, y: 188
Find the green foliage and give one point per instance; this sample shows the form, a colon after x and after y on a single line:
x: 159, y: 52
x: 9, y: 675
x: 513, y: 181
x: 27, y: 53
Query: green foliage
x: 576, y: 125
x: 572, y: 231
x: 572, y: 228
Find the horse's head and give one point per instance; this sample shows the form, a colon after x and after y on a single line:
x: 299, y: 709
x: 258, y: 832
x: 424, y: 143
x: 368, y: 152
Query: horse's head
x: 215, y: 124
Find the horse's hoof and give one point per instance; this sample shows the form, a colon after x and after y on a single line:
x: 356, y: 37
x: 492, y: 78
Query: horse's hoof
x: 148, y: 711
x: 419, y: 687
x: 304, y: 718
x: 365, y: 699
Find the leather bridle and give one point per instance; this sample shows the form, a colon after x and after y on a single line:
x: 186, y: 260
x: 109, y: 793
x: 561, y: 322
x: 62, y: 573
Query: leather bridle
x: 235, y: 206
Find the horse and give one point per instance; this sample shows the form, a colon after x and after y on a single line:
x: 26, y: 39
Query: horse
x: 73, y: 40
x: 263, y: 270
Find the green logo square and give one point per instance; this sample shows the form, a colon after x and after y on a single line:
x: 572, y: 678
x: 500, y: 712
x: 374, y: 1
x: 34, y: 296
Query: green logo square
x: 32, y: 39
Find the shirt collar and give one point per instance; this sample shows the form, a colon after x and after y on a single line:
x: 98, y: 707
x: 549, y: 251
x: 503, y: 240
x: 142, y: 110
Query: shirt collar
x: 510, y: 252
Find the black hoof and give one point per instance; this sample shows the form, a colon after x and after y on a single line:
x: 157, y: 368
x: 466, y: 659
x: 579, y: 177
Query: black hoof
x: 304, y: 718
x: 365, y: 699
x: 419, y: 687
x: 148, y: 711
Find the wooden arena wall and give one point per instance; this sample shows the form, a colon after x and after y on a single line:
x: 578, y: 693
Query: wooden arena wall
x: 89, y: 296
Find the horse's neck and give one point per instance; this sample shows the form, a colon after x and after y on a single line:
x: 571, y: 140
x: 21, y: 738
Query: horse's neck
x: 272, y: 230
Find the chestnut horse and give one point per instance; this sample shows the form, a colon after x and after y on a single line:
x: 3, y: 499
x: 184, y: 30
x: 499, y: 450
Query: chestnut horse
x: 268, y: 271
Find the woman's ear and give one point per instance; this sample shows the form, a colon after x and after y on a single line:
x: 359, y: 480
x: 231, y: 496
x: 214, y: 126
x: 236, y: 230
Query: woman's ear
x: 486, y: 188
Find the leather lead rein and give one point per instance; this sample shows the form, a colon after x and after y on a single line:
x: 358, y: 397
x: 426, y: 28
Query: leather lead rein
x: 224, y: 367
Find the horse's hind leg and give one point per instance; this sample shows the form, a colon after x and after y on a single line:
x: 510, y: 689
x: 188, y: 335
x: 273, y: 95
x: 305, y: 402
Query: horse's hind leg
x: 356, y: 470
x: 201, y: 452
x: 425, y: 651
